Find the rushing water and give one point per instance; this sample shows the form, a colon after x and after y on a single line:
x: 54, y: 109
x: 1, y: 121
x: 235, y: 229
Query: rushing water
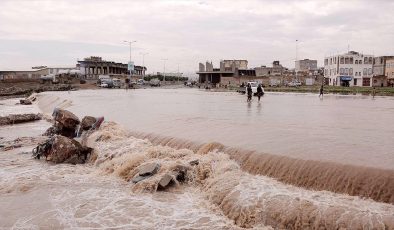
x: 221, y: 192
x: 346, y: 129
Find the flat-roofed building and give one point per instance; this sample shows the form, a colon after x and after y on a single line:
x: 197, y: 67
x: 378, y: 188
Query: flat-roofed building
x: 349, y: 69
x: 379, y: 70
x: 305, y: 65
x: 389, y: 71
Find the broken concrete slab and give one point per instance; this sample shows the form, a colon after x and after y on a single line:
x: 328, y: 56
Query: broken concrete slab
x: 149, y: 169
x: 166, y: 181
x: 146, y: 171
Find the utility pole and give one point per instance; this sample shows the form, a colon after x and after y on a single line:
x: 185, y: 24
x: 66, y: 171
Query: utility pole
x: 130, y: 42
x: 164, y: 72
x: 296, y: 59
x: 178, y: 74
x: 143, y: 63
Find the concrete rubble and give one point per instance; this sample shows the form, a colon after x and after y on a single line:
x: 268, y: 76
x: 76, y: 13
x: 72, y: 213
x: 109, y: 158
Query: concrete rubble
x: 146, y: 171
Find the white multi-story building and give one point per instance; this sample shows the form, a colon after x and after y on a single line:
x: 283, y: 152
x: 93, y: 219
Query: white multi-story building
x: 350, y: 69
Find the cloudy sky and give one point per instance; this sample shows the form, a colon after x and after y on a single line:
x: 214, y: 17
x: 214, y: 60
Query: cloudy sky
x: 59, y: 32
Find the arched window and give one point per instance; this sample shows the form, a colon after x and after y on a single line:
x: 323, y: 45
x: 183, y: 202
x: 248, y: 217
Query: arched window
x: 356, y: 62
x: 351, y: 60
x: 370, y: 60
x: 365, y: 60
x: 341, y: 71
x: 342, y: 60
x: 346, y: 60
x: 351, y: 71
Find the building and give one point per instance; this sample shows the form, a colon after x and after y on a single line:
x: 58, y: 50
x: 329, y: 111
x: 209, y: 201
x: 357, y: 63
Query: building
x: 350, y: 69
x: 34, y: 73
x: 379, y: 71
x: 230, y: 72
x: 276, y: 70
x: 305, y: 65
x: 172, y: 74
x: 92, y: 67
x: 389, y: 71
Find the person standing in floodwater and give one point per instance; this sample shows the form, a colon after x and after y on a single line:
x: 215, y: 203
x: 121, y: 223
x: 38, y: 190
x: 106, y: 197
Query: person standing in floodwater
x: 321, y: 91
x: 373, y: 92
x: 249, y: 92
x: 259, y: 91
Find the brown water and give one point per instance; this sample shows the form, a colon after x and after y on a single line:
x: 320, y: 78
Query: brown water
x: 354, y: 130
x: 271, y: 138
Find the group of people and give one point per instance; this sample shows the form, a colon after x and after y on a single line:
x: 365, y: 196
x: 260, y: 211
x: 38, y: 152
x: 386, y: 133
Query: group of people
x: 250, y: 92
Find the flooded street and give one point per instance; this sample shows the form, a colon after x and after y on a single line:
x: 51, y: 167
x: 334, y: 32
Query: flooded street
x: 230, y: 187
x: 340, y: 128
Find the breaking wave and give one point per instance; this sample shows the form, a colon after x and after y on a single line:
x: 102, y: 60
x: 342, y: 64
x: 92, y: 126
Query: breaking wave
x: 251, y: 201
x: 373, y: 183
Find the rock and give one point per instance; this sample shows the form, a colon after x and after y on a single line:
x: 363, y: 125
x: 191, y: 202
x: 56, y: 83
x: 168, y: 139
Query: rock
x: 67, y: 150
x: 25, y: 102
x: 194, y: 162
x: 180, y: 172
x: 66, y: 118
x: 138, y: 178
x: 19, y: 118
x: 146, y: 171
x: 50, y: 131
x: 88, y: 122
x: 149, y: 169
x: 166, y: 181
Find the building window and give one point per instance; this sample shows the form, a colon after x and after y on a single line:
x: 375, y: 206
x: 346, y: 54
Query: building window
x: 369, y: 71
x: 351, y: 71
x: 366, y: 81
x: 346, y: 60
x: 365, y: 71
x: 355, y: 81
x: 356, y: 62
x: 326, y: 61
x: 351, y: 60
x: 342, y: 60
x: 341, y: 71
x: 346, y: 71
x: 370, y: 60
x: 365, y: 60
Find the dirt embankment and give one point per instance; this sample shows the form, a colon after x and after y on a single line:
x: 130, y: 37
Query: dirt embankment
x: 21, y: 89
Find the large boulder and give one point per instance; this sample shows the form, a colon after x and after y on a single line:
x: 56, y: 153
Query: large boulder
x: 88, y: 122
x: 66, y: 150
x: 66, y: 118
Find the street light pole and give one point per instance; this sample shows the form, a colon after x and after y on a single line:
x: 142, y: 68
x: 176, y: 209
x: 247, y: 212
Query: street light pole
x: 164, y: 73
x: 296, y: 59
x: 143, y: 63
x: 130, y: 42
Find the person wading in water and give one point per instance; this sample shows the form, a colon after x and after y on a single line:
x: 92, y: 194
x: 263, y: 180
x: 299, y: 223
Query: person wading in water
x: 321, y: 91
x: 249, y: 92
x: 259, y: 91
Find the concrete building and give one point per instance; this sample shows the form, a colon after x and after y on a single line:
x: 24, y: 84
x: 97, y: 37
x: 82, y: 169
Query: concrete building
x: 389, y: 71
x: 379, y: 71
x: 34, y: 73
x: 276, y: 70
x: 305, y: 65
x: 92, y: 67
x: 350, y: 69
x: 230, y: 72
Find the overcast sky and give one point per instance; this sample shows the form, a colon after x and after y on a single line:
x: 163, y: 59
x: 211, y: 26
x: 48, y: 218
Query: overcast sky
x: 58, y: 32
